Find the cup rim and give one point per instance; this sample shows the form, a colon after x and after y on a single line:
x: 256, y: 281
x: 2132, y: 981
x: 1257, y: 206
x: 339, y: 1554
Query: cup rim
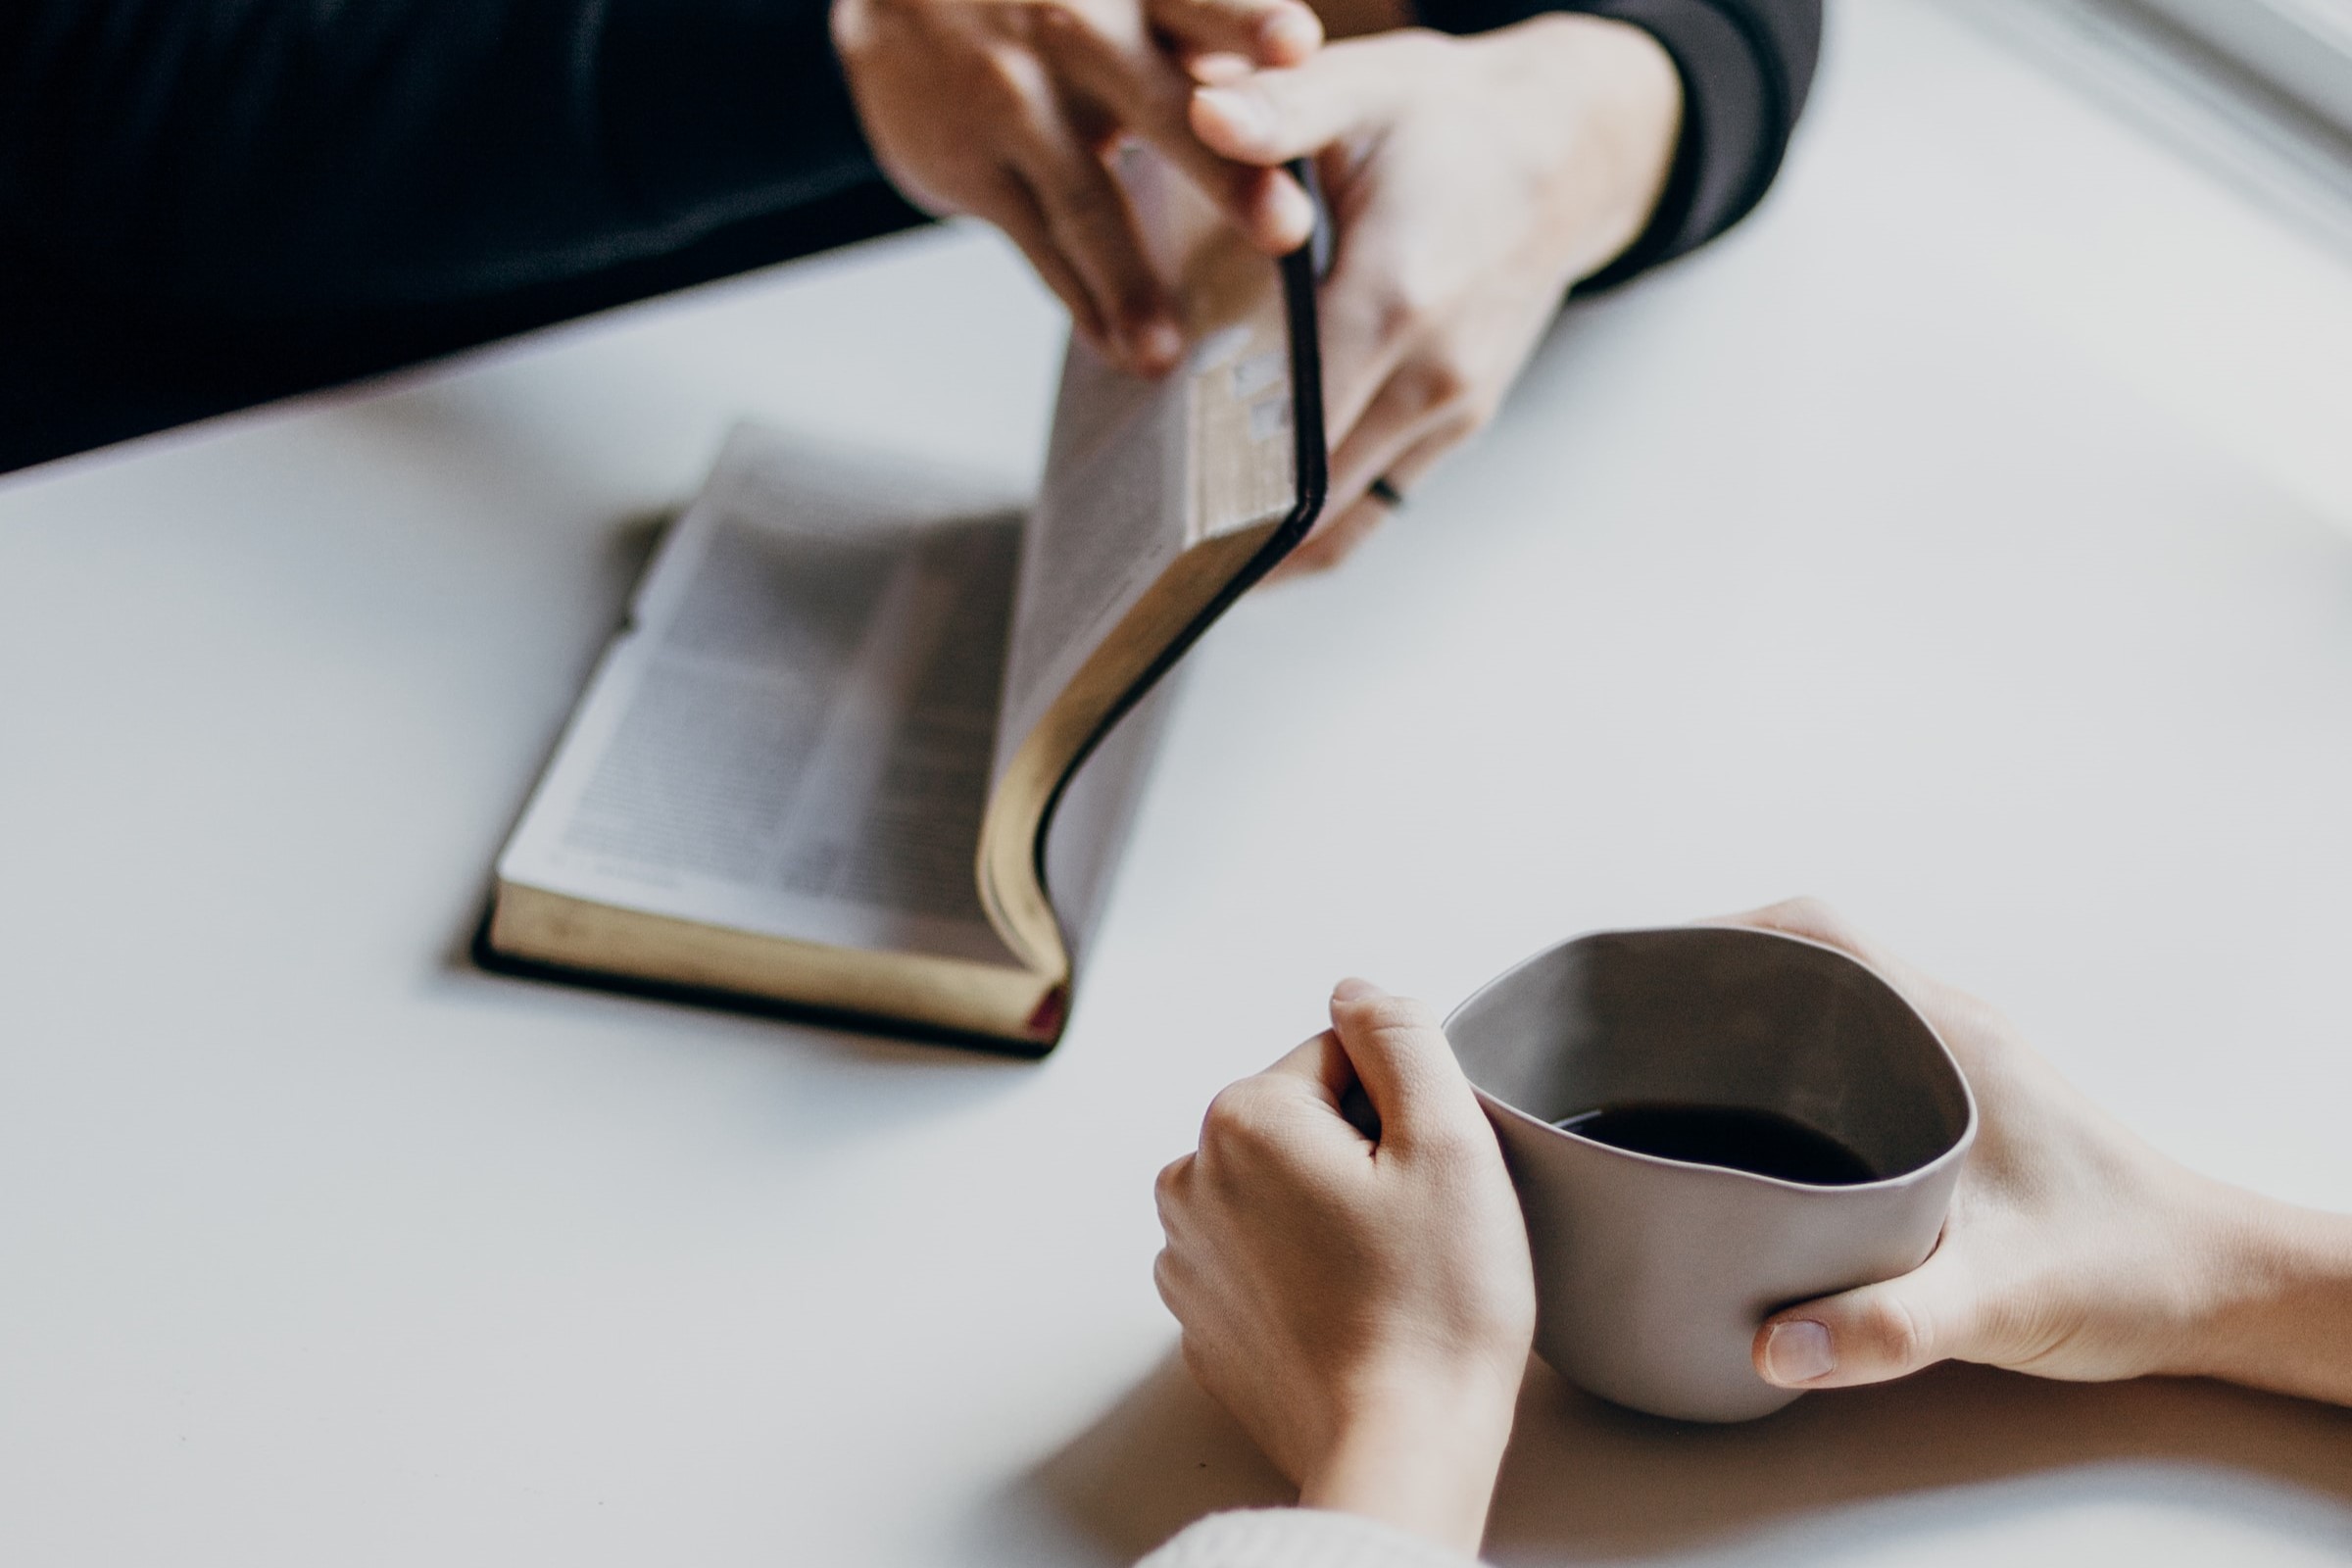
x: 1957, y: 1152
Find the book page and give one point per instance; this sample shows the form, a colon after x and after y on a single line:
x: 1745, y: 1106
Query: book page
x: 1108, y: 520
x: 793, y: 736
x: 1140, y: 471
x: 1089, y: 835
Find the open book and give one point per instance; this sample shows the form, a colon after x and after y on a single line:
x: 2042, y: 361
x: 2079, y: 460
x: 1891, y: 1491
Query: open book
x: 871, y: 740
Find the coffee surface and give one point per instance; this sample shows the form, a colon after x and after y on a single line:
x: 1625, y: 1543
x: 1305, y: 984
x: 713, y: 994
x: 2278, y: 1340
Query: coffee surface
x: 1734, y: 1137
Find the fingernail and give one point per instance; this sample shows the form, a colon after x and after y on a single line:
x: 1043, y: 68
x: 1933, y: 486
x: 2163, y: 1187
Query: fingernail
x: 1799, y: 1352
x: 1215, y: 69
x: 1156, y: 345
x: 1291, y: 33
x: 1290, y: 211
x: 1354, y: 990
x: 1245, y: 113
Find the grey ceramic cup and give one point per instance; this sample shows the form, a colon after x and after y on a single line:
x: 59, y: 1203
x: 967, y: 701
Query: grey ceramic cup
x: 1652, y: 1274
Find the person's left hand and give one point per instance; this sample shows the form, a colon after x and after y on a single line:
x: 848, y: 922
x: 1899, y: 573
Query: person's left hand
x: 1007, y: 109
x: 2072, y: 1249
x: 1363, y: 1307
x: 1471, y: 181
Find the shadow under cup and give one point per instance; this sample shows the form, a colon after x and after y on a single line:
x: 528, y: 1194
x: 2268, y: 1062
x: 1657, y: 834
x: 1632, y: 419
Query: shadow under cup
x: 1652, y: 1274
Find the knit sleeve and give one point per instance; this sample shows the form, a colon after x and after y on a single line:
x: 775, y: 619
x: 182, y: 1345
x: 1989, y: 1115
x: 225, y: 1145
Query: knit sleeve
x: 1298, y: 1538
x: 273, y: 157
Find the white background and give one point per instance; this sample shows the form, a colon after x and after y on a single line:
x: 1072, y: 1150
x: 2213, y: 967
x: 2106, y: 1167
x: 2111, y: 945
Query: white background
x: 1967, y: 539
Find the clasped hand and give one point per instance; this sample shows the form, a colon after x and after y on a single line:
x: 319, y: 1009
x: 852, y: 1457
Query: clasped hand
x: 1471, y: 180
x: 1007, y: 110
x: 1364, y: 1306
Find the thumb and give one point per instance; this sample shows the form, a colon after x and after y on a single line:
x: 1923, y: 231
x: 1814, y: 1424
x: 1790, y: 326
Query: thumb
x: 1874, y: 1333
x: 1262, y: 32
x: 1271, y: 117
x: 1401, y: 1057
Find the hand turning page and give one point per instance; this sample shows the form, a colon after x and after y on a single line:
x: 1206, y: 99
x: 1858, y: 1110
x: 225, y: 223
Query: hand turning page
x: 870, y: 739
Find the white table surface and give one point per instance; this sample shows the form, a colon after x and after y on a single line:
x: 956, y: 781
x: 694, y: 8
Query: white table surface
x: 1967, y: 540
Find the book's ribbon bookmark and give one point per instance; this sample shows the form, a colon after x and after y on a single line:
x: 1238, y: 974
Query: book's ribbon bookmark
x: 1051, y: 1014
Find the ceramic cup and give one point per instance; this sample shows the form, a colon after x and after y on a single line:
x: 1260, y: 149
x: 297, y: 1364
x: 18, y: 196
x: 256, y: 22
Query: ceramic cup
x: 1652, y: 1274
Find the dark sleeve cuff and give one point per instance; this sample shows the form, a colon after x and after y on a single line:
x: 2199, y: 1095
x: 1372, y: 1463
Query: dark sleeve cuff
x: 711, y: 110
x: 1746, y: 67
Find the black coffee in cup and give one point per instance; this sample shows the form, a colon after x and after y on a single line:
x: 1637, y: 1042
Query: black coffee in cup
x: 1652, y: 1273
x: 1734, y: 1137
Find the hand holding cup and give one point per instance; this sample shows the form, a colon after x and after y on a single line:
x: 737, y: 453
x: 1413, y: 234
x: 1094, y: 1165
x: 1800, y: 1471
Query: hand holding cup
x: 2074, y: 1251
x: 1363, y: 1308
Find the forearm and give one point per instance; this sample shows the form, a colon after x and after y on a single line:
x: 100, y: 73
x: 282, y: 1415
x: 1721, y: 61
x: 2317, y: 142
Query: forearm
x: 1423, y: 1462
x: 2281, y: 1314
x: 284, y: 160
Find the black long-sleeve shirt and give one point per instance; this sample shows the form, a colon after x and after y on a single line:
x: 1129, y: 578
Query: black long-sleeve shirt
x: 205, y: 202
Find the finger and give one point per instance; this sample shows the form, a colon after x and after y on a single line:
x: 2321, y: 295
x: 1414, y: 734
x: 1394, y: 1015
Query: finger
x: 1405, y: 475
x: 1320, y: 1061
x: 1168, y: 1278
x: 1401, y: 1056
x: 1334, y: 539
x: 1168, y: 1192
x: 1265, y: 32
x: 1215, y: 70
x: 1013, y: 208
x: 1804, y: 916
x: 1876, y: 1333
x: 1406, y: 429
x: 1817, y: 922
x: 1365, y: 336
x: 1415, y: 418
x: 1124, y: 79
x: 1331, y: 543
x: 1087, y: 217
x: 1276, y: 115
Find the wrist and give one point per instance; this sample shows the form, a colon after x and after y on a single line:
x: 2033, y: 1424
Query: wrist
x: 1420, y: 1455
x: 1622, y: 99
x: 2278, y: 1308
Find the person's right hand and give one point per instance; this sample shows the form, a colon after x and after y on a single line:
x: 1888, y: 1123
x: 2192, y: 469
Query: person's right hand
x: 1007, y: 109
x: 1363, y: 1306
x: 2073, y: 1249
x: 1471, y: 181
